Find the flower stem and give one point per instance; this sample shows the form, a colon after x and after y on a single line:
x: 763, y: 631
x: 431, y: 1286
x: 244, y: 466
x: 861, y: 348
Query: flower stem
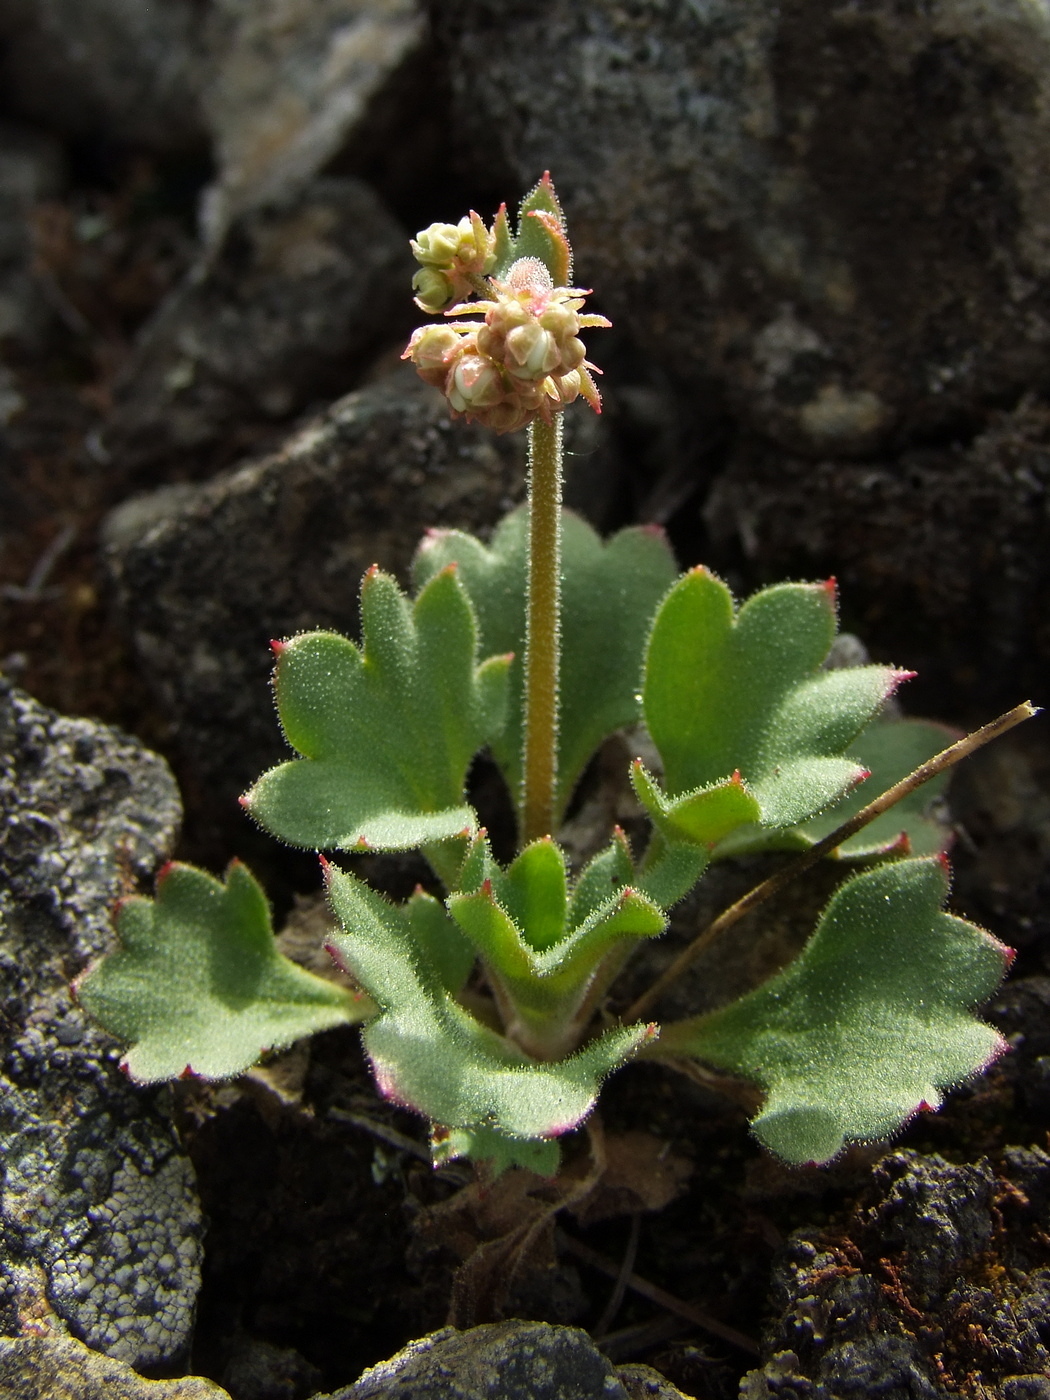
x: 542, y: 631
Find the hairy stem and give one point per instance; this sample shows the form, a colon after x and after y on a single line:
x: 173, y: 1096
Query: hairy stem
x: 945, y: 759
x: 542, y: 631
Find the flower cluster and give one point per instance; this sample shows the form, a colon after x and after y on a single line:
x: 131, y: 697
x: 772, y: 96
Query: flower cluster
x: 524, y: 360
x: 453, y: 258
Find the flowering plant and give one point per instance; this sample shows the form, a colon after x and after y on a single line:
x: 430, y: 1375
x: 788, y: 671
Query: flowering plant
x: 488, y: 1000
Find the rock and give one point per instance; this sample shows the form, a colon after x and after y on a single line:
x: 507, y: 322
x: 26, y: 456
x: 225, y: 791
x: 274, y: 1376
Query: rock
x: 205, y: 575
x: 1022, y: 1012
x: 258, y: 1370
x: 290, y: 81
x: 941, y: 555
x: 940, y: 1277
x: 59, y: 1368
x: 834, y: 217
x: 31, y: 170
x: 99, y: 1220
x: 283, y: 318
x: 504, y: 1361
x: 113, y: 69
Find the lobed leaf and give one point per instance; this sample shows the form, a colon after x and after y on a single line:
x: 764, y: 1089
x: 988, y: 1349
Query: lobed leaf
x: 198, y: 985
x: 540, y: 234
x: 890, y: 749
x: 871, y: 1021
x: 610, y: 592
x: 738, y: 699
x: 429, y: 1054
x: 386, y: 731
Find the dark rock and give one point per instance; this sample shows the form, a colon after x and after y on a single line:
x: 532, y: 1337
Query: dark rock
x: 941, y: 1277
x: 59, y: 1368
x: 1022, y: 1012
x: 31, y: 170
x: 834, y: 216
x: 501, y: 1361
x: 206, y: 575
x: 258, y: 1370
x: 942, y: 555
x: 116, y: 69
x: 99, y: 1220
x: 283, y: 318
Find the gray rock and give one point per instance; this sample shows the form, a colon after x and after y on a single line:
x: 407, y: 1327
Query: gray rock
x: 941, y: 1277
x: 205, y: 575
x: 283, y: 318
x: 499, y: 1361
x: 289, y: 83
x: 99, y: 1220
x: 118, y: 69
x: 835, y: 216
x: 59, y: 1368
x: 941, y: 555
x: 31, y: 170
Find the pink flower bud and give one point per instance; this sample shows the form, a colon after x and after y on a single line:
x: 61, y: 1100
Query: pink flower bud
x: 473, y: 384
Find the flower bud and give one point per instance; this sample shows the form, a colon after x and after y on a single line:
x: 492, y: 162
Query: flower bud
x: 532, y: 352
x: 434, y: 289
x: 437, y: 245
x: 473, y: 384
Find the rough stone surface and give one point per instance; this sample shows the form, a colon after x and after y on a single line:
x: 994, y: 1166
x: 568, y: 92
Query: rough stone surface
x: 942, y: 1278
x: 942, y: 555
x: 59, y: 1368
x: 499, y: 1361
x: 99, y: 1220
x: 290, y: 80
x: 31, y: 170
x: 300, y: 294
x: 834, y: 215
x: 1022, y: 1012
x: 118, y: 69
x: 206, y: 575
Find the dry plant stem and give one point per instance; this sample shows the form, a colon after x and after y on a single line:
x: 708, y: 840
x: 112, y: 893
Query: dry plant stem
x: 657, y: 1295
x: 945, y: 759
x: 543, y: 630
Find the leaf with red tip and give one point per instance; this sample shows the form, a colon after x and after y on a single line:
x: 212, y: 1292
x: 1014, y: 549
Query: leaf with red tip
x: 197, y: 984
x: 610, y: 592
x: 890, y: 749
x: 540, y: 234
x: 429, y: 1054
x: 730, y: 690
x: 871, y: 1021
x: 386, y: 731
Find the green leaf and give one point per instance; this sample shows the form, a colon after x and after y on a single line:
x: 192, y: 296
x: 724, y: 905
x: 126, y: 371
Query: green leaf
x: 439, y: 940
x: 890, y: 750
x: 387, y: 730
x: 429, y: 1054
x: 517, y: 921
x: 870, y: 1022
x: 540, y: 1155
x: 731, y: 692
x: 540, y: 234
x: 609, y: 594
x: 703, y: 816
x: 198, y: 985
